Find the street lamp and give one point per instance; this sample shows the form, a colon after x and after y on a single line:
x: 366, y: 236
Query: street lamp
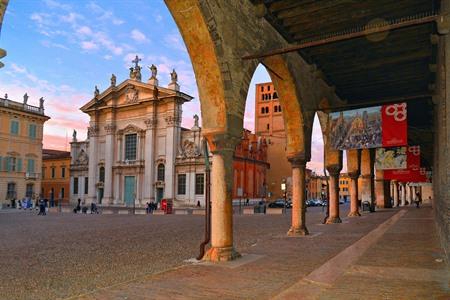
x: 283, y: 189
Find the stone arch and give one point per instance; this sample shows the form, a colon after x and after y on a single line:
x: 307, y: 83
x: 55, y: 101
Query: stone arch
x: 222, y: 101
x: 297, y: 123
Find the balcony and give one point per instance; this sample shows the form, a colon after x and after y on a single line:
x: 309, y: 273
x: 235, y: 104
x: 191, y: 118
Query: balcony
x: 21, y: 106
x: 29, y: 175
x: 130, y: 163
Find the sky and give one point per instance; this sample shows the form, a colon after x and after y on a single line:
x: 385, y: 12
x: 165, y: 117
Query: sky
x: 61, y: 50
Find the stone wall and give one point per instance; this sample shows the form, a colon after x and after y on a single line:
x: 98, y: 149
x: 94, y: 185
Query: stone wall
x: 441, y: 168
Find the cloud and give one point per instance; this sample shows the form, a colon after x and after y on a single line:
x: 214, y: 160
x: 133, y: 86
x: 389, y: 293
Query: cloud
x: 139, y: 36
x: 18, y: 69
x: 50, y: 44
x: 89, y: 45
x: 84, y: 31
x: 103, y: 14
x: 107, y: 57
x: 71, y: 18
x: 41, y: 19
x: 56, y: 4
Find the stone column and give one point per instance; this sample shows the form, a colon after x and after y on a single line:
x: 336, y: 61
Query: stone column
x: 172, y: 122
x: 381, y: 190
x: 149, y: 158
x: 93, y: 164
x: 411, y: 195
x: 395, y: 192
x: 354, y: 168
x: 403, y: 195
x: 222, y: 147
x: 298, y: 226
x: 367, y: 175
x: 334, y: 195
x: 109, y: 161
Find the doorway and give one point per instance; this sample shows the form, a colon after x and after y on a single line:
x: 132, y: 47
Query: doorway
x: 129, y: 190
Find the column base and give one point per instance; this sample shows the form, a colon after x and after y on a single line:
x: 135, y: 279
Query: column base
x: 295, y: 231
x: 354, y: 214
x: 218, y: 254
x: 107, y: 201
x: 333, y: 220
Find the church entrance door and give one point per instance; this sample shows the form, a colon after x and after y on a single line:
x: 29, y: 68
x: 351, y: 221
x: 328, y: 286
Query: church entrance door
x: 159, y: 194
x: 100, y: 195
x: 129, y: 190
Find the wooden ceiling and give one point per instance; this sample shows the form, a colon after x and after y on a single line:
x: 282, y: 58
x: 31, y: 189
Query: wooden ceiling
x: 370, y: 69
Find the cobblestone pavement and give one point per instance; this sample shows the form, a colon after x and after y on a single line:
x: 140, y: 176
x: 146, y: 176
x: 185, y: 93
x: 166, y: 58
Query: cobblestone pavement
x: 141, y: 257
x: 391, y: 254
x: 62, y: 255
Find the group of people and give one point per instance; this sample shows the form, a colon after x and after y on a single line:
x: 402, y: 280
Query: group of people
x: 151, y: 206
x: 83, y: 209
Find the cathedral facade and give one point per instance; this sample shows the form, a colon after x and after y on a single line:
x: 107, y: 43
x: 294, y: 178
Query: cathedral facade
x: 130, y: 153
x: 137, y: 152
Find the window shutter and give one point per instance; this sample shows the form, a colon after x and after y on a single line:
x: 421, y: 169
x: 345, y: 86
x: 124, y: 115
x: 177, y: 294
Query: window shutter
x: 8, y: 164
x: 19, y: 165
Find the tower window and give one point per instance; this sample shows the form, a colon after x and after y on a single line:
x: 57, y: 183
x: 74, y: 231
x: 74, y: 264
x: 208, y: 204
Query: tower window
x: 276, y: 108
x: 275, y: 95
x: 268, y: 126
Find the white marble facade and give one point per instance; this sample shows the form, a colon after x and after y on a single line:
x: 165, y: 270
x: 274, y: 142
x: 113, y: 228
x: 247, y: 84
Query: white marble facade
x: 136, y: 146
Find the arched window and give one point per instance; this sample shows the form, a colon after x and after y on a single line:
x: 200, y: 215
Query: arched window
x: 267, y: 109
x: 101, y: 175
x: 270, y: 96
x: 275, y: 95
x: 276, y: 108
x: 279, y: 108
x: 262, y: 96
x: 161, y: 172
x: 262, y: 110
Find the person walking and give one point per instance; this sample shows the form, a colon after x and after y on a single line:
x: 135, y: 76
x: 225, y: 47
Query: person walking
x: 417, y: 200
x: 42, y: 208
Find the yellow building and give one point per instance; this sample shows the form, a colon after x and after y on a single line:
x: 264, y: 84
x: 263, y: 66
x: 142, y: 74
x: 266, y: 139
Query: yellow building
x: 344, y: 185
x: 55, y: 176
x: 21, y: 128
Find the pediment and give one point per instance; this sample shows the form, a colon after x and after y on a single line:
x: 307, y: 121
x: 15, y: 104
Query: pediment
x: 130, y: 128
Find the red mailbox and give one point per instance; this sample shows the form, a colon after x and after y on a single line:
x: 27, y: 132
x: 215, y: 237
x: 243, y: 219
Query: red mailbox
x: 166, y: 206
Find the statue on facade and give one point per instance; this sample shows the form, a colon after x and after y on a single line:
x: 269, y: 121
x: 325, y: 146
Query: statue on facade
x: 174, y: 76
x: 154, y: 71
x: 74, y: 136
x: 195, y: 120
x: 96, y: 92
x: 41, y: 102
x: 113, y: 80
x: 135, y: 73
x: 25, y: 98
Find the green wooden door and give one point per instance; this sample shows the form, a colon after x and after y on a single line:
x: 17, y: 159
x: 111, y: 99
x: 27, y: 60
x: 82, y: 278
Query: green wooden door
x: 129, y: 190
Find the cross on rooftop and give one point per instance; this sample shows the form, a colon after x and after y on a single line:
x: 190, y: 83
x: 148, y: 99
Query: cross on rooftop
x: 136, y: 61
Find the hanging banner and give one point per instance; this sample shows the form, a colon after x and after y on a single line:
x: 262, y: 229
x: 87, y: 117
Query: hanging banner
x: 413, y: 172
x: 391, y: 158
x: 394, y: 125
x: 371, y: 127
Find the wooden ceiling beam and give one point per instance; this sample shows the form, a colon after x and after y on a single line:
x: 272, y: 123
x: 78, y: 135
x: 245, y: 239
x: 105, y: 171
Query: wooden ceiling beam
x: 341, y: 37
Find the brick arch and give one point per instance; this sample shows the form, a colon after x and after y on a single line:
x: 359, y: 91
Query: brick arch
x: 298, y: 125
x: 222, y: 89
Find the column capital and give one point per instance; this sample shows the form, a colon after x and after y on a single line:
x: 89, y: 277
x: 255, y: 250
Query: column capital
x: 353, y: 175
x: 93, y: 131
x: 219, y: 142
x: 151, y: 123
x: 334, y: 170
x: 110, y: 128
x: 298, y: 161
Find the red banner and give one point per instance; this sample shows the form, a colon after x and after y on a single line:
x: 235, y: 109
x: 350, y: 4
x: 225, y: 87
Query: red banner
x: 394, y: 124
x: 413, y: 172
